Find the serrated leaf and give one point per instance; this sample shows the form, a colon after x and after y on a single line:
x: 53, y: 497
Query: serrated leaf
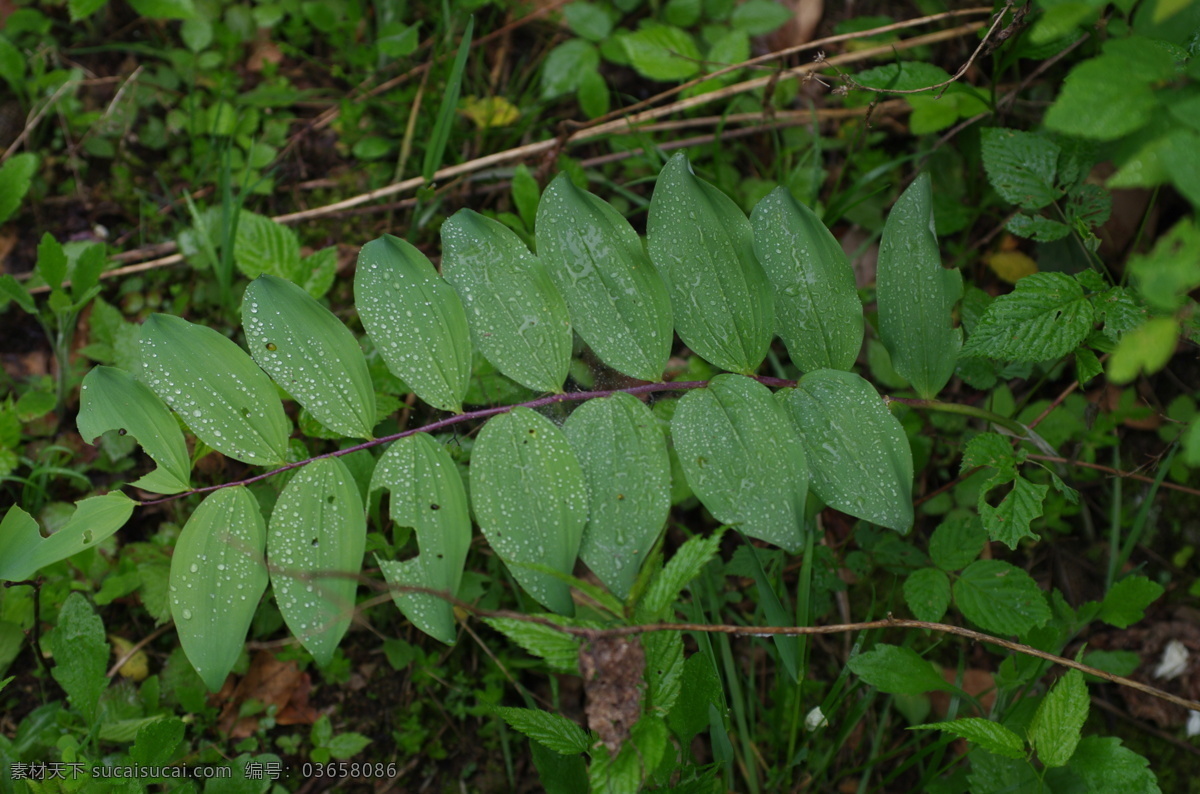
x: 315, y: 549
x: 110, y: 399
x: 985, y: 734
x: 703, y: 247
x: 218, y: 391
x: 989, y: 449
x: 744, y: 459
x: 558, y: 649
x: 817, y: 310
x: 1102, y: 763
x: 623, y: 454
x: 684, y: 566
x: 263, y: 246
x: 664, y: 668
x: 427, y: 494
x: 957, y: 541
x: 1126, y: 602
x: 15, y: 178
x: 1044, y: 318
x: 530, y: 500
x: 80, y: 653
x: 662, y: 52
x: 1000, y: 598
x: 218, y: 576
x: 1146, y: 348
x: 618, y: 303
x: 1021, y: 166
x: 916, y: 295
x: 310, y: 354
x: 1008, y: 522
x: 518, y: 319
x: 553, y: 731
x: 1055, y: 730
x: 700, y: 687
x: 897, y: 671
x: 23, y: 550
x: 1035, y: 227
x: 859, y: 457
x: 927, y: 593
x: 51, y: 261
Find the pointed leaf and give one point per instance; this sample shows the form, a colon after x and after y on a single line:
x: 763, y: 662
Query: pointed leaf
x: 860, y: 459
x: 988, y: 735
x: 618, y: 303
x: 315, y: 548
x: 530, y: 500
x: 744, y: 459
x: 23, y: 550
x: 310, y: 354
x: 684, y: 566
x: 110, y: 399
x: 218, y: 576
x: 1045, y: 317
x: 817, y: 310
x: 898, y: 671
x: 1000, y: 597
x: 80, y: 653
x: 415, y: 319
x: 559, y: 650
x: 703, y: 247
x: 263, y: 246
x: 426, y: 494
x: 623, y: 453
x: 1058, y: 722
x: 517, y: 318
x: 916, y: 295
x: 15, y: 178
x: 222, y: 396
x: 551, y: 730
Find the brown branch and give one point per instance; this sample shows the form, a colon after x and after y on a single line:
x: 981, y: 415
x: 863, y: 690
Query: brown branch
x: 1116, y: 473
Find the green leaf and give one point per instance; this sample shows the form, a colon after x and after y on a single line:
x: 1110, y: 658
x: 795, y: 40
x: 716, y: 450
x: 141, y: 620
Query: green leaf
x: 1146, y: 348
x: 427, y: 494
x: 559, y: 650
x: 218, y: 391
x: 684, y: 566
x: 664, y: 669
x: 80, y: 655
x: 1170, y: 271
x: 164, y: 9
x: 588, y: 20
x: 435, y: 150
x: 82, y: 9
x: 310, y: 354
x: 623, y: 454
x: 23, y: 550
x: 156, y: 741
x: 263, y: 246
x: 518, y: 319
x: 593, y: 94
x: 1044, y: 318
x: 957, y: 541
x: 903, y: 76
x: 559, y: 774
x: 700, y: 687
x: 415, y: 319
x: 345, y: 746
x: 565, y: 66
x: 744, y: 459
x: 618, y: 303
x: 662, y: 52
x: 1103, y: 764
x: 817, y: 308
x: 1021, y: 166
x: 989, y: 449
x: 897, y: 671
x: 15, y: 177
x: 1110, y: 96
x: 1055, y: 730
x: 316, y: 272
x: 858, y: 454
x: 51, y: 261
x: 988, y: 735
x: 14, y: 290
x: 703, y: 247
x: 218, y: 576
x: 315, y: 547
x: 1000, y: 598
x: 759, y: 17
x: 530, y: 500
x: 550, y: 730
x: 526, y: 193
x: 110, y: 399
x: 1035, y: 227
x: 927, y: 593
x: 916, y: 295
x: 1008, y: 522
x: 1126, y: 601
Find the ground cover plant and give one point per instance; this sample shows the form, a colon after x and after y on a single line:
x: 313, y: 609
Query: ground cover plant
x: 589, y: 396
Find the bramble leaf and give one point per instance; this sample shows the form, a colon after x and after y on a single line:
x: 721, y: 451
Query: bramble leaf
x: 1055, y: 730
x: 1000, y: 598
x: 986, y: 734
x: 1044, y: 318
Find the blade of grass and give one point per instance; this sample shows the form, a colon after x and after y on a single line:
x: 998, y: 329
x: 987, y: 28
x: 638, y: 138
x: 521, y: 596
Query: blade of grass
x: 446, y: 113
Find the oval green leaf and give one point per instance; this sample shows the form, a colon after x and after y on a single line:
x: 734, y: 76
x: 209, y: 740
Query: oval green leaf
x: 817, y: 310
x: 618, y: 303
x: 415, y: 319
x: 517, y: 318
x: 23, y: 550
x: 315, y: 547
x: 623, y: 452
x: 916, y: 295
x: 218, y: 576
x: 222, y: 396
x: 309, y: 353
x: 744, y: 459
x: 427, y: 494
x: 530, y: 500
x: 703, y: 247
x: 860, y: 459
x: 110, y: 399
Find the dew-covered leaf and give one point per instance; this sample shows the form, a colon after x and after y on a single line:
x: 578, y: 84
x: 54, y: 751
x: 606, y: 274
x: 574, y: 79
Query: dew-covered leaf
x: 315, y: 548
x: 110, y: 399
x: 518, y: 319
x: 623, y: 453
x: 1045, y: 317
x: 744, y: 459
x: 618, y: 302
x: 916, y: 295
x: 218, y: 576
x: 858, y: 453
x: 415, y: 319
x: 309, y: 353
x: 703, y: 247
x: 23, y: 550
x: 530, y: 500
x: 817, y: 310
x: 426, y: 494
x: 221, y: 394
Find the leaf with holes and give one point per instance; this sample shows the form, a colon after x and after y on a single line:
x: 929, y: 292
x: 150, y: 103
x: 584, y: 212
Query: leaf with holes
x: 23, y: 550
x: 415, y: 319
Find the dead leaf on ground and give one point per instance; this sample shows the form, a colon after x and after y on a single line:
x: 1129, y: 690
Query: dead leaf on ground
x: 272, y: 683
x: 612, y: 671
x: 806, y: 15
